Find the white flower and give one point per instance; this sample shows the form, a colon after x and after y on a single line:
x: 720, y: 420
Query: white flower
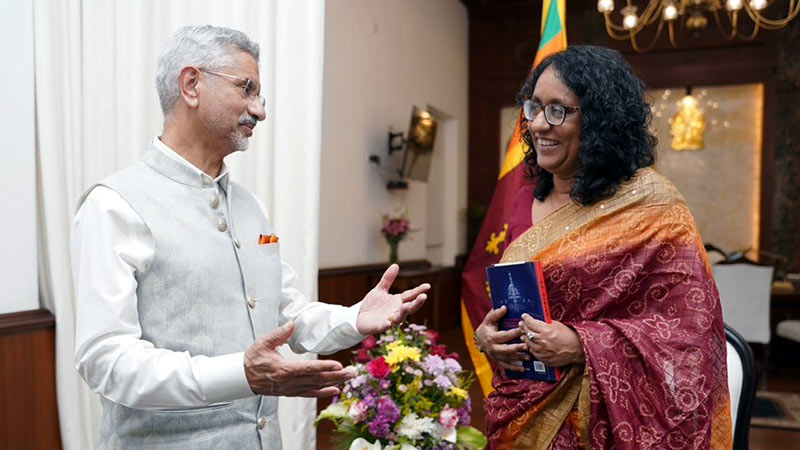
x: 336, y: 410
x: 358, y: 381
x: 412, y: 427
x: 448, y: 434
x: 451, y: 365
x: 363, y: 444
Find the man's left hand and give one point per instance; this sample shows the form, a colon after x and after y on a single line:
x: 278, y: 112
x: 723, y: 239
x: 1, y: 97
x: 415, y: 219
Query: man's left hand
x: 380, y: 309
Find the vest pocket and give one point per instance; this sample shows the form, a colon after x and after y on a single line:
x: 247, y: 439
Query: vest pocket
x: 200, y: 410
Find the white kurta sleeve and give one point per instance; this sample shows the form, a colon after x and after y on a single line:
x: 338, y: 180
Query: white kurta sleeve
x: 319, y: 327
x: 110, y: 244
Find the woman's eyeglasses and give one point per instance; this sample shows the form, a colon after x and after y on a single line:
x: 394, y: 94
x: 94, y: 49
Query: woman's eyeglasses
x: 554, y: 114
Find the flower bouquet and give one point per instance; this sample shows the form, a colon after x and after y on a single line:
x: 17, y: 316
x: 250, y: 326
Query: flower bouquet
x: 408, y: 394
x: 394, y: 229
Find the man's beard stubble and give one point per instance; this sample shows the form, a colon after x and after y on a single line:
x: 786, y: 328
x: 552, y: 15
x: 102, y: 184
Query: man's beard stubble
x: 240, y: 141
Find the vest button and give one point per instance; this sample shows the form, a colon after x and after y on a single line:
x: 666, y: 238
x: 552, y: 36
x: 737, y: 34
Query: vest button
x: 222, y: 225
x: 251, y: 301
x: 261, y: 422
x: 237, y: 243
x: 215, y: 202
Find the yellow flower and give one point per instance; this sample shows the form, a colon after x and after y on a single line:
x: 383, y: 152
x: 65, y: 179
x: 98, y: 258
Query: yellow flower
x: 458, y: 392
x: 400, y: 353
x: 391, y: 345
x: 423, y: 405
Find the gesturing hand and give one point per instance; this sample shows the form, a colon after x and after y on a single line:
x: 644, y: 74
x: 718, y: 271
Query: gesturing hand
x: 380, y: 309
x: 494, y: 342
x: 554, y: 344
x: 268, y: 373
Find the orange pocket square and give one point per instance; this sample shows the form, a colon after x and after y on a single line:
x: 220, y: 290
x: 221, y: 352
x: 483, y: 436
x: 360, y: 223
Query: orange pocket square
x: 267, y: 239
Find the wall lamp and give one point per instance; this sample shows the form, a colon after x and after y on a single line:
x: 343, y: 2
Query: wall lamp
x: 418, y: 147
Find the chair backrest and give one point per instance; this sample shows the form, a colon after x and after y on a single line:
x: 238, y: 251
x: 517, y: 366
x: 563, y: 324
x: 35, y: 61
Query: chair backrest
x: 744, y: 292
x: 742, y: 386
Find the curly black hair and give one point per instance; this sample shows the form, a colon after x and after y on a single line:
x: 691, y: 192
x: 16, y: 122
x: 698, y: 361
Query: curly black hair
x: 615, y: 139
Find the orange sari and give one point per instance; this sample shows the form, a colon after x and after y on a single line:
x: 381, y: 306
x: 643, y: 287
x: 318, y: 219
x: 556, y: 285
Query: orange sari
x: 630, y: 275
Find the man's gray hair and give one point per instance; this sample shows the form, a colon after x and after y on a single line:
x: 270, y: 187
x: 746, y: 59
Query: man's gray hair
x: 206, y: 47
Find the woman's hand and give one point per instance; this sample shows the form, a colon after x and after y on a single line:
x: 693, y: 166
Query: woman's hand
x: 493, y: 342
x: 554, y: 344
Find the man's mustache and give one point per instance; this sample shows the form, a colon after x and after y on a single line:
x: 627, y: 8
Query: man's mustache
x: 251, y: 120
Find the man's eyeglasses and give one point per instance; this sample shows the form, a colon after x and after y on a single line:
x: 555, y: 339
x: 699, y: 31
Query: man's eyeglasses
x: 249, y: 86
x: 554, y: 114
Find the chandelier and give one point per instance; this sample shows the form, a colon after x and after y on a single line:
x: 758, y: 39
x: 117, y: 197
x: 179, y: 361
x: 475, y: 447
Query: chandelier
x: 694, y: 15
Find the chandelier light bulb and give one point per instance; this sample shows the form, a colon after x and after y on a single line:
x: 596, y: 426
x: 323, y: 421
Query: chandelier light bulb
x: 629, y: 19
x: 734, y: 5
x: 670, y: 12
x: 605, y: 6
x: 694, y: 16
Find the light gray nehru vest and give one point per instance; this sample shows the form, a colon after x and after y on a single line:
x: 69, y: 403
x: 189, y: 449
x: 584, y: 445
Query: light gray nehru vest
x: 195, y: 297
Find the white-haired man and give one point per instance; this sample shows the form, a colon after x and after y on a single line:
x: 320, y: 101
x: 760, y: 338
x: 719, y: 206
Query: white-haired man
x: 182, y: 294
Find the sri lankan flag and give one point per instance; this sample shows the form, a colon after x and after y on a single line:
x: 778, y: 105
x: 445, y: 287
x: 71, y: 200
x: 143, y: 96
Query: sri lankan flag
x: 491, y: 242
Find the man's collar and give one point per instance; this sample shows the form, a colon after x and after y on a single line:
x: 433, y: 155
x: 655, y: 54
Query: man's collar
x: 179, y: 169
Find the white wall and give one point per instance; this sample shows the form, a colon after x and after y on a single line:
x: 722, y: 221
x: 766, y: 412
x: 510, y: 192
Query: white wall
x: 18, y: 271
x: 382, y: 57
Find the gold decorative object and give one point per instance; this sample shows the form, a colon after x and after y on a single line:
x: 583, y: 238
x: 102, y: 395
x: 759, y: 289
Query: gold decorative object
x: 419, y: 148
x: 688, y: 125
x: 695, y: 14
x: 422, y: 130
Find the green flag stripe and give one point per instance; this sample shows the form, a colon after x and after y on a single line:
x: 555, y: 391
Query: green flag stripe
x: 553, y: 25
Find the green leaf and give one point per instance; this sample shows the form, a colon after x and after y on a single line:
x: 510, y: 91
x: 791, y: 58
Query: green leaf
x: 470, y: 438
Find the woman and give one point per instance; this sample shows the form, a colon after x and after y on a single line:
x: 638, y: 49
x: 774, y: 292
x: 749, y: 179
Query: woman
x: 637, y: 327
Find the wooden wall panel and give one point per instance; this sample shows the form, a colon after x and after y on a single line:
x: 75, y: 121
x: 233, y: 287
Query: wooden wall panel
x: 28, y: 406
x: 348, y: 285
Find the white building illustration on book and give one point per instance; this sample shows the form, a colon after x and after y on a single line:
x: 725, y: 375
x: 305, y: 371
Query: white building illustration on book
x: 514, y: 299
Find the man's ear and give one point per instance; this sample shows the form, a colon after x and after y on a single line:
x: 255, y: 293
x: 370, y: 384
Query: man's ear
x: 188, y: 80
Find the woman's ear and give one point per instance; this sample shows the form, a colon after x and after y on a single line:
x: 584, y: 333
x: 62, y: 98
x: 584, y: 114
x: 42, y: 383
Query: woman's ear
x: 188, y: 81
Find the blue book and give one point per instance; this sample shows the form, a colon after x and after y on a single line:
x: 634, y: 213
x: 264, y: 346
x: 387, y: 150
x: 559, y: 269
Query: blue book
x: 520, y: 287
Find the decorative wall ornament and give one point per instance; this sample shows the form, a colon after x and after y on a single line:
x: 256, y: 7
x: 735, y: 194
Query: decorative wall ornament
x: 689, y: 125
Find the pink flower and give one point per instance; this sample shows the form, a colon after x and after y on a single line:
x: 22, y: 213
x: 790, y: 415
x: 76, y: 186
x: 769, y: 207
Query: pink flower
x: 438, y: 350
x: 363, y: 355
x: 448, y: 417
x: 433, y: 336
x: 395, y: 229
x: 369, y: 343
x: 358, y: 411
x: 378, y: 368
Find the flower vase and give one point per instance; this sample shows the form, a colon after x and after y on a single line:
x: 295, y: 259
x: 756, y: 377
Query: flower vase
x: 393, y: 251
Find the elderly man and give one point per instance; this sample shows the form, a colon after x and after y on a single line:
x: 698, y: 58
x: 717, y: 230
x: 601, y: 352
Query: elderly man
x: 182, y: 293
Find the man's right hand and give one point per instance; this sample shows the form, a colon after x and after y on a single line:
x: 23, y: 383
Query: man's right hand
x: 268, y: 373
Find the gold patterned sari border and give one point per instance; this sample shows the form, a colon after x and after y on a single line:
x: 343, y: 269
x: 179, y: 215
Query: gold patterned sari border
x: 646, y: 188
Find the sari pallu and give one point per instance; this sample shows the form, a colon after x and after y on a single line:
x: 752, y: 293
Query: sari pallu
x: 630, y: 275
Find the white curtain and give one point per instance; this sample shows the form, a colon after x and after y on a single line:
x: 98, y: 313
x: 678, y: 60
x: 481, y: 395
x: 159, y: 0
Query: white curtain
x: 97, y: 109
